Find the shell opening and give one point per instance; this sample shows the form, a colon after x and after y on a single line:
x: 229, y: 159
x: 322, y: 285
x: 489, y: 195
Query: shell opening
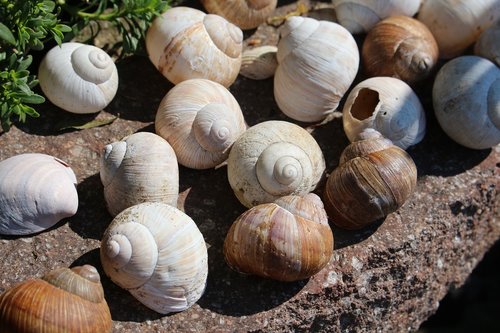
x: 226, y: 36
x: 365, y: 104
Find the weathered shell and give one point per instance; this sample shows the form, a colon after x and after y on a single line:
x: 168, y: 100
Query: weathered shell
x: 140, y: 168
x: 466, y: 99
x: 200, y: 119
x: 287, y: 240
x: 64, y: 300
x: 388, y: 105
x: 78, y: 78
x: 259, y: 63
x: 185, y: 43
x: 157, y: 253
x: 36, y: 192
x: 318, y: 61
x: 274, y: 159
x: 487, y: 45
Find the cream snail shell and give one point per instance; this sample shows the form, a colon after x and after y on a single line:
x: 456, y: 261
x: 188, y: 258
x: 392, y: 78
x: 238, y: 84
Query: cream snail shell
x: 487, y: 45
x: 185, y: 43
x: 287, y: 240
x: 36, y: 192
x: 318, y: 61
x: 78, y: 78
x: 200, y: 119
x: 388, y: 105
x: 157, y: 253
x: 246, y: 14
x: 64, y: 300
x: 273, y: 159
x: 466, y: 99
x: 259, y: 63
x: 140, y: 168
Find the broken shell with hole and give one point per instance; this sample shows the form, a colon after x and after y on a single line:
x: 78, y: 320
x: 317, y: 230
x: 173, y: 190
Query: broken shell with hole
x: 185, y: 43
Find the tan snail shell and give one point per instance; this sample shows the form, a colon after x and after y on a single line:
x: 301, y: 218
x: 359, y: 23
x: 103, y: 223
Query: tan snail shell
x: 487, y: 45
x: 140, y: 168
x: 157, y: 253
x: 273, y: 159
x: 401, y: 47
x: 185, y: 43
x: 64, y: 300
x: 374, y: 178
x: 200, y: 119
x: 286, y: 240
x: 246, y: 14
x: 259, y: 63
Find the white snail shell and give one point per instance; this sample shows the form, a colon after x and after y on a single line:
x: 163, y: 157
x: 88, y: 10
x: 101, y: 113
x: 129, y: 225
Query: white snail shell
x: 157, y: 253
x: 140, y: 168
x: 36, y: 192
x: 359, y: 16
x: 200, y: 119
x: 185, y: 43
x: 318, y: 61
x: 466, y: 99
x: 388, y: 105
x: 487, y: 45
x: 273, y: 159
x: 78, y: 78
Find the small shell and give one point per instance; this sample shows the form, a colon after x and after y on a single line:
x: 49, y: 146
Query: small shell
x: 259, y: 63
x: 140, y: 168
x: 36, y: 192
x: 388, y: 105
x: 78, y: 78
x: 488, y: 45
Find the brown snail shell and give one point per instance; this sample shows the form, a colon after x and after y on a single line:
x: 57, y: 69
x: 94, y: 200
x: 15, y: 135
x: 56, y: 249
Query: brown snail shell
x: 286, y: 240
x: 64, y: 300
x: 374, y: 178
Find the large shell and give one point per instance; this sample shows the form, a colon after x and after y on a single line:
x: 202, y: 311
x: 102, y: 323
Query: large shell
x: 287, y: 240
x: 157, y: 253
x: 64, y: 300
x: 466, y: 99
x: 388, y: 105
x: 273, y: 159
x: 78, y: 78
x: 140, y: 168
x: 185, y: 43
x: 318, y: 61
x: 359, y: 16
x: 488, y: 46
x: 200, y: 119
x: 36, y: 192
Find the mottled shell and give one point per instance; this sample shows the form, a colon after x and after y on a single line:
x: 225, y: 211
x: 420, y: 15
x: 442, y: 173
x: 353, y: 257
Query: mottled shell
x: 401, y: 47
x: 185, y: 43
x: 374, y: 178
x: 488, y: 45
x: 140, y: 168
x: 64, y: 300
x: 457, y: 24
x: 318, y: 61
x: 359, y: 16
x: 274, y: 159
x: 466, y: 99
x: 286, y: 240
x: 246, y: 14
x: 78, y: 78
x: 36, y: 192
x: 388, y: 105
x: 157, y: 253
x: 259, y: 63
x: 200, y: 119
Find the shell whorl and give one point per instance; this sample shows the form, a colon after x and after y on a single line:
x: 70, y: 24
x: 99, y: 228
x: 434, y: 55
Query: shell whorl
x: 112, y: 159
x: 214, y: 133
x: 225, y: 35
x: 92, y: 64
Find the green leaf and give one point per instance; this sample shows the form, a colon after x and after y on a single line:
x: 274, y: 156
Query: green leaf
x: 33, y: 99
x: 6, y: 34
x: 91, y: 124
x: 24, y: 64
x: 30, y: 111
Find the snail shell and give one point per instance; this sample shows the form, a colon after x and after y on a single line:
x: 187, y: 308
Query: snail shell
x: 401, y: 47
x: 140, y: 168
x: 466, y: 99
x: 318, y: 61
x: 388, y: 105
x: 487, y: 45
x: 259, y: 63
x: 185, y: 43
x: 157, y: 253
x: 374, y: 178
x: 64, y: 300
x: 286, y: 240
x: 274, y: 159
x: 359, y: 16
x: 78, y: 78
x: 246, y: 14
x: 200, y: 119
x: 36, y: 192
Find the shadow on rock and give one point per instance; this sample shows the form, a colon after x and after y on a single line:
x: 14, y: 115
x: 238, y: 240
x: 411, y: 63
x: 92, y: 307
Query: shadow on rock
x: 343, y: 237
